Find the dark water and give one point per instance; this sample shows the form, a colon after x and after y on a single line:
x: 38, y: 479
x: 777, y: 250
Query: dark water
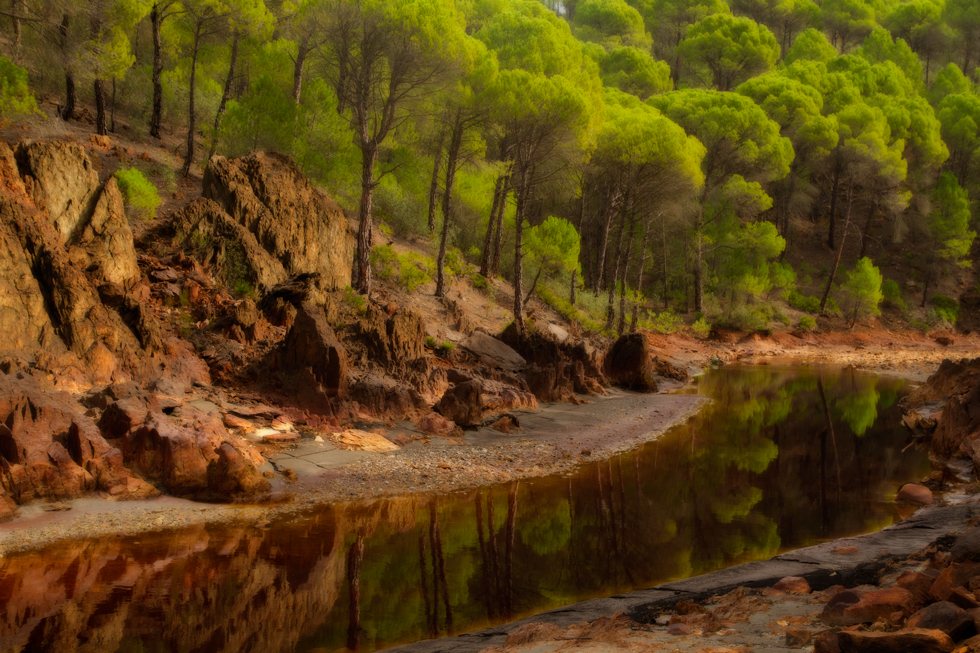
x: 783, y: 458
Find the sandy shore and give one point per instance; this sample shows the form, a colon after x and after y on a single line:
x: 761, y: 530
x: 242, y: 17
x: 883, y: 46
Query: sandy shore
x: 554, y: 439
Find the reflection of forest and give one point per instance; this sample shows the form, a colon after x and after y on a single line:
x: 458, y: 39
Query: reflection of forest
x: 781, y: 458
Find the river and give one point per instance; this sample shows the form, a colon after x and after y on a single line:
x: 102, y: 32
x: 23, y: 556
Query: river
x: 782, y: 458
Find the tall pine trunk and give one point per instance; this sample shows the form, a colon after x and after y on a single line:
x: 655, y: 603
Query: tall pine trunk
x: 840, y: 252
x: 452, y: 163
x: 498, y: 192
x: 226, y: 92
x: 523, y: 191
x: 156, y: 20
x: 189, y: 157
x: 101, y: 124
x: 434, y: 183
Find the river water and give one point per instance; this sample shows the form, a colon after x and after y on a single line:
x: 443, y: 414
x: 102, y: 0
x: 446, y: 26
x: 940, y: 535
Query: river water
x: 783, y: 457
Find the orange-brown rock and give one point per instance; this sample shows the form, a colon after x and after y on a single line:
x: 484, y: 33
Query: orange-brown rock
x: 915, y: 493
x: 903, y: 641
x: 956, y: 574
x: 849, y: 607
x: 632, y: 363
x: 312, y: 360
x: 944, y: 616
x: 298, y: 224
x: 436, y: 424
x: 463, y: 403
x: 230, y: 475
x: 792, y: 585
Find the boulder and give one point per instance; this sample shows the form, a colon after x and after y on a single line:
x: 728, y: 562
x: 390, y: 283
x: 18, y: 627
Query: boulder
x: 493, y: 352
x: 903, y: 641
x: 632, y: 363
x: 849, y: 608
x: 793, y: 585
x: 436, y: 424
x: 363, y: 441
x: 955, y: 575
x: 918, y: 584
x: 944, y: 616
x: 915, y: 493
x: 966, y: 548
x: 383, y: 396
x: 299, y: 225
x: 312, y: 360
x: 230, y: 475
x: 393, y: 342
x: 463, y: 403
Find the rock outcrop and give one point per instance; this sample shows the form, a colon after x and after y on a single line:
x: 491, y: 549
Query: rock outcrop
x: 312, y: 360
x: 633, y: 363
x: 297, y: 224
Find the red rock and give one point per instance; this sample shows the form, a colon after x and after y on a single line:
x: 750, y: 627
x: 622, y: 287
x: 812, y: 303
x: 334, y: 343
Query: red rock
x: 280, y: 438
x: 797, y: 637
x: 230, y: 475
x: 902, y: 641
x: 915, y: 493
x: 963, y: 598
x: 826, y: 642
x: 829, y: 593
x: 793, y: 585
x: 955, y: 575
x: 236, y: 422
x: 846, y: 550
x: 436, y: 424
x: 463, y: 403
x: 917, y: 583
x: 944, y: 616
x: 678, y: 629
x: 533, y: 633
x: 843, y: 610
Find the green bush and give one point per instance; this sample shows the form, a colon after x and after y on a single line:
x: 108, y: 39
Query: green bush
x: 802, y: 302
x: 415, y: 270
x: 747, y: 319
x: 430, y: 342
x: 947, y: 308
x: 384, y: 262
x: 355, y: 301
x: 140, y: 194
x: 892, y: 294
x: 666, y: 322
x: 701, y: 329
x: 15, y: 95
x: 806, y: 323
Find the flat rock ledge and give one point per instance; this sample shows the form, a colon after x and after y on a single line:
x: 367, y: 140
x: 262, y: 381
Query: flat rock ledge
x: 849, y: 561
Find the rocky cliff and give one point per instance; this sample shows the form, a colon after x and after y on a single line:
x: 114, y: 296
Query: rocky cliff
x: 130, y: 368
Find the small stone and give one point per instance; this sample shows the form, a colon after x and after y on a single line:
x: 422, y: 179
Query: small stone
x: 915, y: 493
x: 59, y: 506
x: 826, y: 642
x: 678, y: 629
x: 793, y: 585
x: 269, y: 474
x: 917, y: 583
x: 846, y: 550
x: 236, y: 422
x: 289, y: 475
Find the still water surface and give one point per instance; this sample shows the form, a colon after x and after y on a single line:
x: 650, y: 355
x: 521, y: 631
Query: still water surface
x: 784, y: 457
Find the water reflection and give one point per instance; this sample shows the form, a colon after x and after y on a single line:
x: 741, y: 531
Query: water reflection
x: 784, y: 457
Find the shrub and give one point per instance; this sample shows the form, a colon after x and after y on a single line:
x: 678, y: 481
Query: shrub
x: 15, y: 95
x: 947, y: 308
x: 666, y: 322
x: 701, y: 329
x: 802, y: 302
x: 430, y: 342
x: 806, y: 323
x: 862, y: 289
x: 384, y: 262
x: 415, y: 271
x: 892, y: 294
x: 355, y: 301
x: 140, y: 194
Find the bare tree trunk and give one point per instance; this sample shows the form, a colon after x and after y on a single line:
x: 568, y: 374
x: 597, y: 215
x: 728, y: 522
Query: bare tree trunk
x: 571, y: 297
x: 101, y: 126
x: 834, y: 189
x: 498, y: 192
x: 610, y: 309
x: 498, y: 239
x: 522, y: 193
x: 155, y: 22
x: 866, y: 232
x: 434, y: 184
x: 663, y: 234
x: 600, y: 269
x: 189, y: 157
x: 639, y: 274
x: 68, y: 110
x: 840, y: 251
x: 698, y: 271
x: 369, y: 153
x: 623, y: 278
x: 18, y: 8
x: 354, y: 557
x: 452, y: 163
x: 112, y: 115
x: 298, y: 67
x: 226, y: 92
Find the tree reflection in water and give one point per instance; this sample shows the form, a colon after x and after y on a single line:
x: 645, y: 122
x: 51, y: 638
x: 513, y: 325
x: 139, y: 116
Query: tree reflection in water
x: 782, y: 458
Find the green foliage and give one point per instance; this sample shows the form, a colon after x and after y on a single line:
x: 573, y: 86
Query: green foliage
x: 802, y: 302
x: 611, y: 23
x: 862, y: 290
x: 553, y: 246
x: 806, y: 323
x: 430, y: 342
x: 701, y: 329
x: 357, y: 302
x: 724, y: 50
x: 810, y: 45
x: 949, y: 222
x: 139, y: 193
x: 946, y: 308
x: 409, y: 270
x: 892, y: 294
x: 666, y: 322
x: 634, y: 71
x: 16, y: 98
x: 384, y: 262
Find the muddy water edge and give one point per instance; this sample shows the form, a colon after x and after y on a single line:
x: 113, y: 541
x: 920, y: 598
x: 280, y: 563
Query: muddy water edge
x: 783, y: 457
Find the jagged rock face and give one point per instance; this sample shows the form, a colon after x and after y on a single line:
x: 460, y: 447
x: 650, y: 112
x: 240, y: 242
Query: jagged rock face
x: 50, y: 450
x: 556, y: 369
x: 299, y: 225
x: 62, y: 179
x: 463, y: 403
x: 105, y: 240
x: 392, y: 342
x: 227, y: 245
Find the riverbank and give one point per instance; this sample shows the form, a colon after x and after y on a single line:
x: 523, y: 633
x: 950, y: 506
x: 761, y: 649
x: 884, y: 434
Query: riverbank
x: 552, y: 440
